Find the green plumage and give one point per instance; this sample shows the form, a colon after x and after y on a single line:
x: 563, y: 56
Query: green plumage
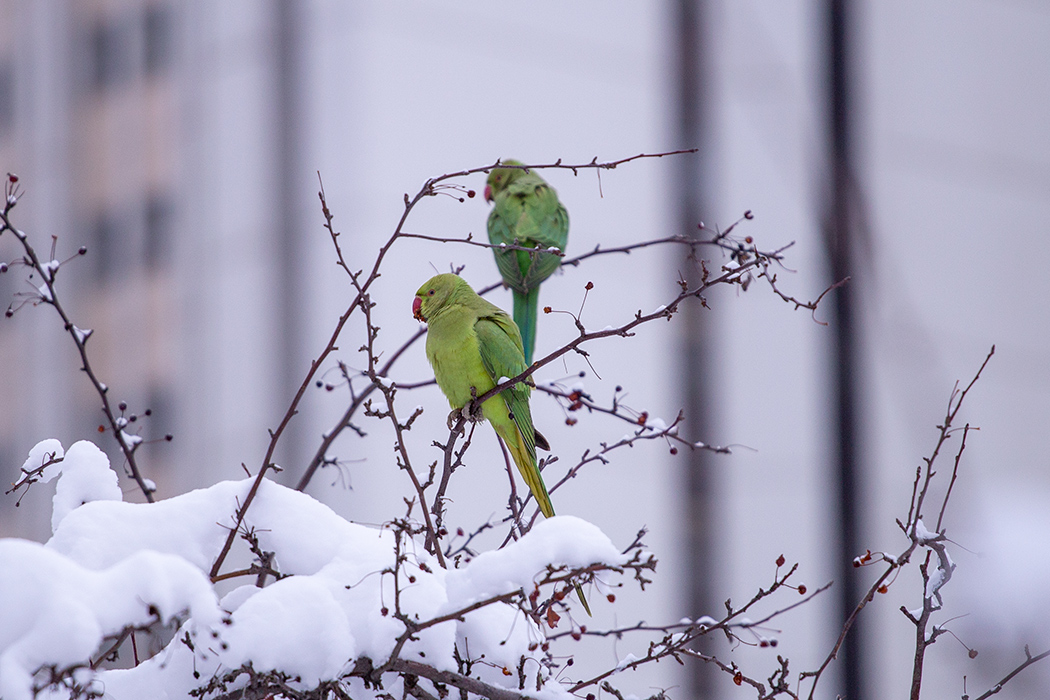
x: 473, y: 344
x: 527, y: 213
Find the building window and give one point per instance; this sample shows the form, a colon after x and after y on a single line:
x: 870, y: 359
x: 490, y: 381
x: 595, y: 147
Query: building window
x: 112, y: 53
x: 159, y: 226
x: 7, y: 96
x: 111, y: 237
x: 161, y: 419
x: 159, y: 31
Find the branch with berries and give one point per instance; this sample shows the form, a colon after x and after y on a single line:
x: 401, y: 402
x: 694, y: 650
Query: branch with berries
x: 46, y: 292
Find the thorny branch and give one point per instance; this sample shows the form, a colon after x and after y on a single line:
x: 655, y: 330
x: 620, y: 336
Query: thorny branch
x: 573, y: 400
x: 1028, y: 661
x: 918, y: 537
x: 47, y: 293
x: 642, y: 432
x: 452, y: 459
x: 469, y: 240
x: 731, y: 275
x: 679, y: 639
x: 31, y: 476
x: 331, y: 346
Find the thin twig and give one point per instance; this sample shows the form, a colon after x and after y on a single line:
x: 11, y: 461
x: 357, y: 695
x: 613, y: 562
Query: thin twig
x: 48, y: 294
x: 469, y: 240
x: 1029, y: 660
x: 624, y: 330
x: 920, y: 488
x: 329, y: 348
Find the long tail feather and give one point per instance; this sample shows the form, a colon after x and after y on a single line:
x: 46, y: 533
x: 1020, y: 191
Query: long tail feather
x: 583, y: 599
x: 525, y: 317
x: 529, y: 472
x: 534, y: 479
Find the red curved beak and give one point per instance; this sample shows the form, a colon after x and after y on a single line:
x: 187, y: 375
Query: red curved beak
x: 488, y: 193
x: 417, y: 309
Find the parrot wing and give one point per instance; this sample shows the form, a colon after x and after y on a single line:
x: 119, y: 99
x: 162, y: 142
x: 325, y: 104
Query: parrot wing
x: 501, y: 353
x: 528, y: 213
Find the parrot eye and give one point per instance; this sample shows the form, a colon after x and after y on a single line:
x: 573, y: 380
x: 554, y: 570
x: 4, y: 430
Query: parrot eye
x: 430, y: 293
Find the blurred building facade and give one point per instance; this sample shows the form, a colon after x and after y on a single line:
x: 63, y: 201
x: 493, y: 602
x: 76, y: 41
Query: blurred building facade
x: 103, y: 122
x: 89, y: 125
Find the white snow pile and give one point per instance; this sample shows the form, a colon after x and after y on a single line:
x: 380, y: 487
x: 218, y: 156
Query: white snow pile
x: 111, y: 566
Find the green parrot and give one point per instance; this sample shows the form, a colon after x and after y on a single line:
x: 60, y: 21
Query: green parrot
x: 526, y: 213
x: 473, y: 344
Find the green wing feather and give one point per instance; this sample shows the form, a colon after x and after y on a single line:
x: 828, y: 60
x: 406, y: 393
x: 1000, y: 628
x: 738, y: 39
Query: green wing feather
x: 501, y: 353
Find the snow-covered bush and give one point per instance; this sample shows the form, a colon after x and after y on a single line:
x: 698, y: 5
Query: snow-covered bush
x: 349, y: 600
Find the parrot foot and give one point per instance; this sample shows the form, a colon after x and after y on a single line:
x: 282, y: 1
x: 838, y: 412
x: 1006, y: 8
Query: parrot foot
x: 471, y: 412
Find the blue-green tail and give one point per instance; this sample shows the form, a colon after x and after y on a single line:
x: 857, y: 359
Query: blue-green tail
x: 525, y: 317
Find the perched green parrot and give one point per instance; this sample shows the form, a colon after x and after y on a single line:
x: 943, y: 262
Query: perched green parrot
x: 473, y: 344
x: 526, y: 213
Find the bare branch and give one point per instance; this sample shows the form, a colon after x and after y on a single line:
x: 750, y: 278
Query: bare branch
x: 1029, y: 660
x: 47, y: 293
x: 469, y: 240
x: 917, y: 537
x: 456, y: 680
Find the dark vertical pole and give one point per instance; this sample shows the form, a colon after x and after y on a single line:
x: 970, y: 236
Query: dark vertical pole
x: 289, y: 78
x: 690, y: 131
x: 840, y: 233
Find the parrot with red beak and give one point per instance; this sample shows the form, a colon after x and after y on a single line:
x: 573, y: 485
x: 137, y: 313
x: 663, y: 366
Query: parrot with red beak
x: 473, y: 345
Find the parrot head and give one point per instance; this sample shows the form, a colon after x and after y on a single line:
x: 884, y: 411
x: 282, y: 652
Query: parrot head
x: 500, y: 178
x: 434, y: 293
